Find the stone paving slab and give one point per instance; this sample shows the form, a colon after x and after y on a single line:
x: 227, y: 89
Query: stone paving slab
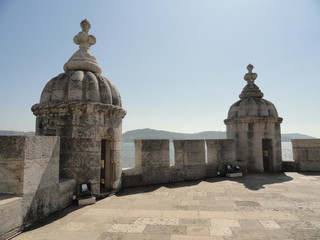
x: 260, y: 207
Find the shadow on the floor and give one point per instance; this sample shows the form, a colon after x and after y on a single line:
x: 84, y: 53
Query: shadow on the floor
x: 310, y: 173
x: 259, y: 181
x: 250, y: 181
x: 54, y: 217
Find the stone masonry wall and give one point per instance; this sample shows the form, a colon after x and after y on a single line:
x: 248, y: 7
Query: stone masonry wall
x: 248, y: 134
x: 30, y: 166
x: 153, y: 165
x: 81, y: 128
x: 306, y: 153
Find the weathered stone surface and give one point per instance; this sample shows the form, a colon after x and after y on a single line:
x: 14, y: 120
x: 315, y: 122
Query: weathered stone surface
x: 152, y: 161
x: 38, y: 205
x: 38, y: 180
x: 10, y: 215
x: 152, y: 154
x: 251, y: 122
x: 220, y: 153
x: 189, y: 152
x: 85, y: 109
x: 41, y: 165
x: 155, y: 176
x: 306, y: 153
x: 192, y: 172
x: 131, y: 180
x: 66, y: 192
x: 12, y: 151
x: 289, y: 166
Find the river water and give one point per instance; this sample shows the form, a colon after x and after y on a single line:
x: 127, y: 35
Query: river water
x: 128, y: 153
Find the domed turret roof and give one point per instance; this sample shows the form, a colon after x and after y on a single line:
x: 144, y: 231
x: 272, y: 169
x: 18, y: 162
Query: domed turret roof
x: 81, y: 81
x: 252, y: 103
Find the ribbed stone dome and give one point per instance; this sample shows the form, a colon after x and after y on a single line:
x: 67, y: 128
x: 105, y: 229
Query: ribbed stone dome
x: 81, y: 82
x: 80, y: 86
x: 252, y: 104
x: 252, y: 107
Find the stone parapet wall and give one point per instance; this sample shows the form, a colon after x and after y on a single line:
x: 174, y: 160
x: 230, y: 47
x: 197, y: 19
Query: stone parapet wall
x: 32, y: 190
x: 306, y: 154
x: 194, y: 159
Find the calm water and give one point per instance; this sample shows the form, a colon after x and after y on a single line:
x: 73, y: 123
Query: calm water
x: 128, y: 153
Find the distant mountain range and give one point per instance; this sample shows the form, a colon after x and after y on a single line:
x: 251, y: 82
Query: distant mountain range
x: 148, y: 133
x: 15, y: 133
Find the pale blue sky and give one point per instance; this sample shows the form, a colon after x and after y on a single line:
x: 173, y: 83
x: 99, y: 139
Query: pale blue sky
x: 178, y: 64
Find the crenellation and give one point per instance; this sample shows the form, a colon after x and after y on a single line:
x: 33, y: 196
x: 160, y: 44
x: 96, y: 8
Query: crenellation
x: 152, y: 161
x: 306, y: 153
x: 79, y: 140
x: 189, y: 152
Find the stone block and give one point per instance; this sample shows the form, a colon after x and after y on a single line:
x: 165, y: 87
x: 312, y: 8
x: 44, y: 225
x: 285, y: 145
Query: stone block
x: 38, y: 205
x: 155, y: 176
x: 33, y: 165
x: 86, y: 201
x: 12, y: 172
x: 11, y: 147
x: 232, y: 175
x: 78, y: 145
x: 66, y: 192
x: 189, y: 152
x: 84, y: 132
x: 131, y: 180
x: 40, y: 173
x: 11, y: 164
x: 176, y: 174
x: 194, y: 172
x: 212, y: 170
x: 89, y: 174
x: 10, y: 215
x: 42, y: 147
x: 152, y: 153
x: 220, y: 150
x: 306, y: 152
x: 289, y: 166
x: 41, y: 165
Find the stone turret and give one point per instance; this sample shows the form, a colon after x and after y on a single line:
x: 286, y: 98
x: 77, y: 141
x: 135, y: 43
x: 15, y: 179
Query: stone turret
x: 84, y: 109
x: 254, y: 125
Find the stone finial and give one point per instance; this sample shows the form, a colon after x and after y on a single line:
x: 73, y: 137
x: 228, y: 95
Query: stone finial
x: 83, y: 58
x: 83, y: 39
x: 250, y: 77
x: 251, y: 90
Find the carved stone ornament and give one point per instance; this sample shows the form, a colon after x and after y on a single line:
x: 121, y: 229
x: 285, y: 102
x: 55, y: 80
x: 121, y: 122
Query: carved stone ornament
x: 83, y: 58
x: 251, y: 90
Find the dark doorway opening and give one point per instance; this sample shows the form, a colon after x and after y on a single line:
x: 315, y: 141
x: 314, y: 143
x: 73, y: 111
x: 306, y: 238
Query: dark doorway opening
x: 105, y: 162
x: 267, y: 154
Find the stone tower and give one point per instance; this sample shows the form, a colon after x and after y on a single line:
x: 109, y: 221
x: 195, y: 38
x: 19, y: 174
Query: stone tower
x: 84, y: 109
x: 254, y: 125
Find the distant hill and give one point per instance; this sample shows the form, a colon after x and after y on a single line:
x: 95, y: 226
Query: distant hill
x: 286, y: 137
x: 15, y: 133
x: 148, y: 133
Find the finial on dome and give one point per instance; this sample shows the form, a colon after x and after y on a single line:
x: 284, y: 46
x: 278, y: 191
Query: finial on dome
x: 83, y: 39
x: 251, y: 90
x: 250, y: 77
x: 85, y: 25
x: 83, y: 58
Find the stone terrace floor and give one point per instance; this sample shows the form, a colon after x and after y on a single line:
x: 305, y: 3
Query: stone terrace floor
x: 268, y: 206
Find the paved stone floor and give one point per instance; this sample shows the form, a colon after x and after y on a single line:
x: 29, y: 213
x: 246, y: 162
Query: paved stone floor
x: 269, y: 206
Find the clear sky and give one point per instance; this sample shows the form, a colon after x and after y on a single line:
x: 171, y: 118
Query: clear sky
x: 178, y: 64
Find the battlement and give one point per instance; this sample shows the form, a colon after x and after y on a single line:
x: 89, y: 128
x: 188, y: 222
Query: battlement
x: 194, y: 159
